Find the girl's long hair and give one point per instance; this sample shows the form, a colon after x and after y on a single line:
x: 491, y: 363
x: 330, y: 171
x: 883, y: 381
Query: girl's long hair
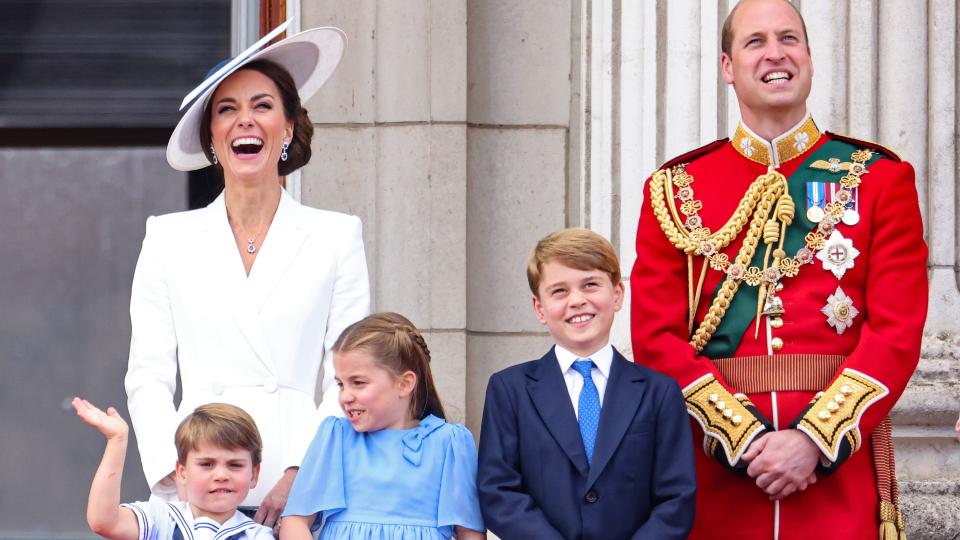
x: 396, y: 345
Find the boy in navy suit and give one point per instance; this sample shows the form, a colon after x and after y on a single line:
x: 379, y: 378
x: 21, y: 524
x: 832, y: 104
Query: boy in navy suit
x: 582, y: 443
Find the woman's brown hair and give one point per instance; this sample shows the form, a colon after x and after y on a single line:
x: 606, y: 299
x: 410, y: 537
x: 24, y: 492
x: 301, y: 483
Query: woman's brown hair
x: 396, y: 345
x: 299, y: 152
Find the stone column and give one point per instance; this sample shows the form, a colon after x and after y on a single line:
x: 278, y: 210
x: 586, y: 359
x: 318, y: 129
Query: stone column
x: 518, y: 110
x: 390, y: 146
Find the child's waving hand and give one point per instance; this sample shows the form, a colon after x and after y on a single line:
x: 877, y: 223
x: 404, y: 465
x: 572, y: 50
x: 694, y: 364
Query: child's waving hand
x: 109, y: 423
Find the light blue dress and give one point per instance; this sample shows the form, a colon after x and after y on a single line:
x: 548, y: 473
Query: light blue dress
x: 392, y: 484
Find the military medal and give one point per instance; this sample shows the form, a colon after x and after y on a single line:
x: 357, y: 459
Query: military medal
x: 773, y: 307
x: 839, y: 311
x: 851, y: 216
x: 850, y: 200
x: 846, y: 197
x: 816, y: 201
x: 838, y: 254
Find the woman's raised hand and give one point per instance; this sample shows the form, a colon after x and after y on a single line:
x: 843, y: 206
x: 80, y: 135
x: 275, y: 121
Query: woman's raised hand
x: 109, y: 423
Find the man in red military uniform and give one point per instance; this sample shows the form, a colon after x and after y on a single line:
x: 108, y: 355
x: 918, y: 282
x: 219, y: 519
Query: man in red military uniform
x: 781, y: 279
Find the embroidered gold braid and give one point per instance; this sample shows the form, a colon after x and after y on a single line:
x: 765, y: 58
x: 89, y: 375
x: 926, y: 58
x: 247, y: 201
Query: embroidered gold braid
x: 723, y: 416
x: 838, y: 410
x: 754, y: 208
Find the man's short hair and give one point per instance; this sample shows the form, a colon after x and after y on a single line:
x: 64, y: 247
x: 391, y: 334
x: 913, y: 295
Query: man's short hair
x: 726, y: 36
x: 220, y: 425
x: 577, y: 248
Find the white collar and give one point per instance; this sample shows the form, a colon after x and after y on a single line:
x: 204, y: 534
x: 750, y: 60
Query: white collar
x: 182, y: 514
x: 602, y: 358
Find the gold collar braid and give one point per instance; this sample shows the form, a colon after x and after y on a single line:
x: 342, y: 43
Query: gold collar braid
x: 791, y: 144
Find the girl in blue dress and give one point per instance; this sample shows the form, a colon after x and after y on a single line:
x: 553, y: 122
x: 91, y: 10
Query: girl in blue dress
x: 393, y: 468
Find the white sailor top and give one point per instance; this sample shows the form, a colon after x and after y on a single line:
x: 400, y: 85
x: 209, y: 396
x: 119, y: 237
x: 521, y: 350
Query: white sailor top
x: 160, y: 520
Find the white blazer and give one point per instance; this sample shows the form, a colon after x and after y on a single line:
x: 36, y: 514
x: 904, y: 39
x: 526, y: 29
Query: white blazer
x: 255, y: 341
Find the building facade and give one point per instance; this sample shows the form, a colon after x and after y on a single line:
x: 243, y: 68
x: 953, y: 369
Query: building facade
x: 463, y: 131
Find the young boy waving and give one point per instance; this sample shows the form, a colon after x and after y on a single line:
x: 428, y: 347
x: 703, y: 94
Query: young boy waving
x: 218, y: 461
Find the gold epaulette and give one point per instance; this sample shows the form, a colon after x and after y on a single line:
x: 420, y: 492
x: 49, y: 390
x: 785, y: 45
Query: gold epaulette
x: 836, y: 412
x: 863, y: 143
x: 722, y: 416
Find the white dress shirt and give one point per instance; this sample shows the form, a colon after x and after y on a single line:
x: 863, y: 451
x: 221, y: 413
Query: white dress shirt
x: 602, y: 359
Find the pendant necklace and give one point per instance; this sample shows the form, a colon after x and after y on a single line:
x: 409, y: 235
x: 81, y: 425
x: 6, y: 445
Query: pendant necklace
x: 252, y: 242
x: 252, y: 239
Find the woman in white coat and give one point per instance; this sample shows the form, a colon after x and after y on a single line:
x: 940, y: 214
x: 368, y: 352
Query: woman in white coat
x: 247, y: 295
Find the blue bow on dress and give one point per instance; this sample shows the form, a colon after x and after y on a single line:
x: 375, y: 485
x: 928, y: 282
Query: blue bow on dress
x: 413, y: 441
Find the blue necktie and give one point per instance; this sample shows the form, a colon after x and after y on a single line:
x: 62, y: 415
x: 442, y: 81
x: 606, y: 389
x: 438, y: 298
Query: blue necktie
x: 588, y: 407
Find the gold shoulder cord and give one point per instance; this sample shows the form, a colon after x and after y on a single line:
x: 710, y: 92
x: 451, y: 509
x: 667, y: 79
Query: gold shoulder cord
x: 769, y: 210
x: 693, y: 239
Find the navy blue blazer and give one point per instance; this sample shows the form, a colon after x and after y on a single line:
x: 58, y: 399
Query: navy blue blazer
x: 533, y: 476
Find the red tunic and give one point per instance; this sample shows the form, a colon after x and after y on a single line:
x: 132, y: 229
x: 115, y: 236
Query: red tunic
x: 888, y: 285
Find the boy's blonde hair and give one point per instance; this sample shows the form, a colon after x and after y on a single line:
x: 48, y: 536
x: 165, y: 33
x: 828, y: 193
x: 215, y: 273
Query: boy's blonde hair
x: 220, y: 425
x: 577, y: 248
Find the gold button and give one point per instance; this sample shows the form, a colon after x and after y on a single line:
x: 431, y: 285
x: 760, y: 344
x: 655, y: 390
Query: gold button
x: 776, y: 322
x: 832, y: 406
x: 728, y: 412
x: 839, y: 398
x: 736, y: 419
x: 776, y: 343
x: 824, y: 415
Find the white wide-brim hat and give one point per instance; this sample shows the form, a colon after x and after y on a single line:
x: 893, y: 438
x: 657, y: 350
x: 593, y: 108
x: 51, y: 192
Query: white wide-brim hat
x: 310, y: 57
